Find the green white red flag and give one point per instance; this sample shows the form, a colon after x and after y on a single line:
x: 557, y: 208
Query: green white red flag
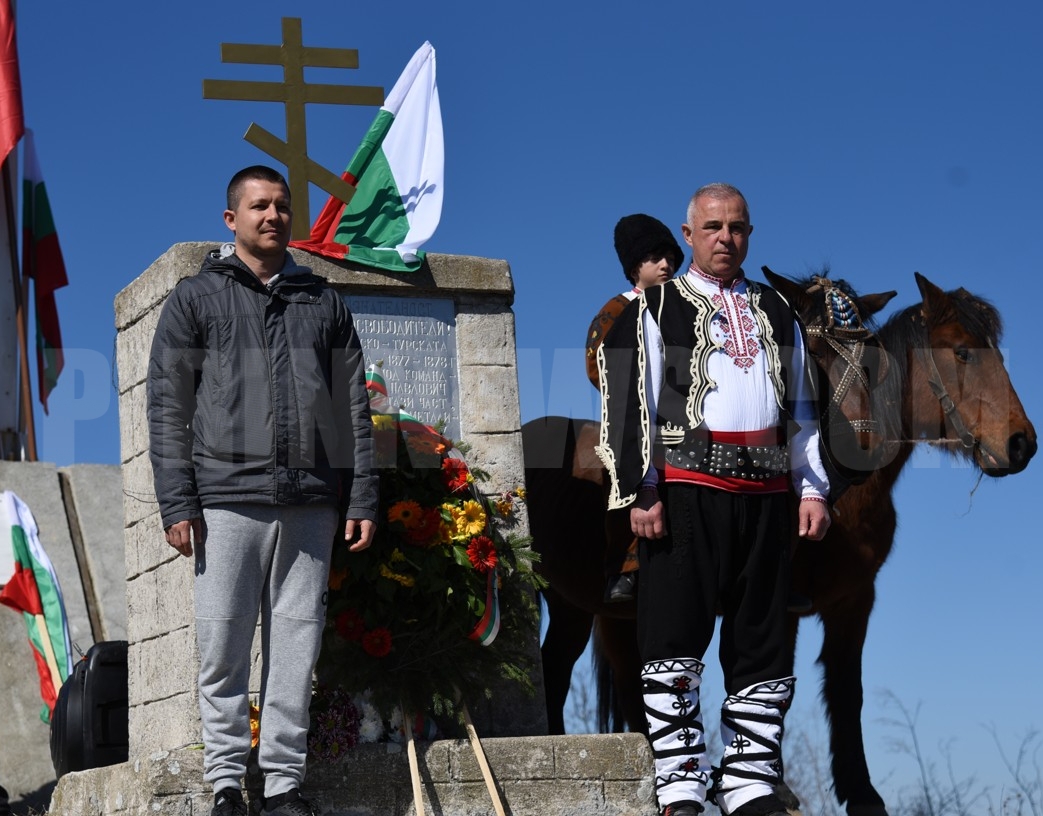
x: 42, y: 261
x: 34, y: 591
x: 398, y: 174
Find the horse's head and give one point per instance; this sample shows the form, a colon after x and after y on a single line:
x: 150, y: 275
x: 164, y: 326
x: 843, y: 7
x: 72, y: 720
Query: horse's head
x: 980, y: 412
x: 849, y: 363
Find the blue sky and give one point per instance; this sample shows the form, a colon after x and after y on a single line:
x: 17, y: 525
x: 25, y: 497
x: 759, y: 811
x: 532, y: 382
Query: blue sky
x: 880, y: 139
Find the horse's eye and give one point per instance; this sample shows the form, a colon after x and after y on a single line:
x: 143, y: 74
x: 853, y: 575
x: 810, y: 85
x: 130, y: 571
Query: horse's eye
x: 963, y: 354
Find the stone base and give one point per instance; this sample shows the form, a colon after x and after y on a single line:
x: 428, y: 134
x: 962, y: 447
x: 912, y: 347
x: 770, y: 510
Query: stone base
x: 584, y: 775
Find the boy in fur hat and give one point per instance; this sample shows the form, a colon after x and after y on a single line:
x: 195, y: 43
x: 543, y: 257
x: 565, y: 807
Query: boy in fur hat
x: 650, y: 255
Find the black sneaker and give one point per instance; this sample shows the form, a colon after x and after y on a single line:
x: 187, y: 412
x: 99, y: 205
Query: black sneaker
x: 622, y: 588
x: 288, y: 804
x: 229, y: 802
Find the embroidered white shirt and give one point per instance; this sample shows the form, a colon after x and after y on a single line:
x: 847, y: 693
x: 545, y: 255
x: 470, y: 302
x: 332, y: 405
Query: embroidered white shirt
x: 743, y: 398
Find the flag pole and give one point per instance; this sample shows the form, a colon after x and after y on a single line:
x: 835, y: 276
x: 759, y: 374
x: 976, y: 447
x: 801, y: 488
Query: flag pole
x: 21, y: 295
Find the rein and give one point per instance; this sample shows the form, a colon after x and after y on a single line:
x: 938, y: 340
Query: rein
x: 934, y: 379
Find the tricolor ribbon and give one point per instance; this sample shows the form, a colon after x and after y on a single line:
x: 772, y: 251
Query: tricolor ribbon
x: 488, y: 627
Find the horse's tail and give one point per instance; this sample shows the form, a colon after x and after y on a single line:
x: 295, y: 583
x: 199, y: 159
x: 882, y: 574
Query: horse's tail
x: 610, y: 712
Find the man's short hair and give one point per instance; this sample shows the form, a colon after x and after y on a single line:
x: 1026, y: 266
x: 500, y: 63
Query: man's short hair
x: 256, y: 172
x: 717, y: 189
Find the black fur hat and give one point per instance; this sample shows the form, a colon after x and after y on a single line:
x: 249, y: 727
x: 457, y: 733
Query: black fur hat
x: 638, y: 236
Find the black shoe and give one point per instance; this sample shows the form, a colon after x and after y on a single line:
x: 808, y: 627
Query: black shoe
x: 622, y: 588
x: 5, y: 805
x: 229, y: 802
x: 288, y: 804
x: 682, y: 810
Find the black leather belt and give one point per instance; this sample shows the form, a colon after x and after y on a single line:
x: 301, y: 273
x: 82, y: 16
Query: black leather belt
x: 752, y: 462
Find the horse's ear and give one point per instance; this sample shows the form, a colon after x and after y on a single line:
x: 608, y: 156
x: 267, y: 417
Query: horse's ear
x: 936, y: 302
x: 794, y: 294
x: 871, y: 304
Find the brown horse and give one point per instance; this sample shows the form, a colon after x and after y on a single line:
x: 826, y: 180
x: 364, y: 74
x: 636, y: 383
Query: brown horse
x: 566, y: 494
x: 945, y: 384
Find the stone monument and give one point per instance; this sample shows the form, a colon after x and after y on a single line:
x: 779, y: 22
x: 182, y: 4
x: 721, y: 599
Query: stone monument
x: 445, y: 337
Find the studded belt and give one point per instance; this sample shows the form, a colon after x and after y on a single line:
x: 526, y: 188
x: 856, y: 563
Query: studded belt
x: 751, y: 462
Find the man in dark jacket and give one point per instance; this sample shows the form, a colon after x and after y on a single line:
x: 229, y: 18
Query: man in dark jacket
x: 261, y: 448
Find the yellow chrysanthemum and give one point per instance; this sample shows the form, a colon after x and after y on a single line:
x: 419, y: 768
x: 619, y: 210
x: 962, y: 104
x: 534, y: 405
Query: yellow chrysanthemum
x: 407, y: 513
x: 457, y: 522
x: 504, y: 506
x: 473, y: 518
x: 383, y: 422
x: 404, y: 580
x: 520, y: 493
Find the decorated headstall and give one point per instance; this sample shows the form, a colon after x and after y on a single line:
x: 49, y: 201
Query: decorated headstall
x: 840, y: 325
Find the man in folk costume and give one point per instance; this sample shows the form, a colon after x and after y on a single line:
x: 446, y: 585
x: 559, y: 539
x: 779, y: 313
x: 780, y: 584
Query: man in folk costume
x: 650, y: 255
x: 708, y: 416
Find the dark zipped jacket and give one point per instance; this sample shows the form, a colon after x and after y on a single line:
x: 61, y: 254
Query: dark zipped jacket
x: 257, y: 394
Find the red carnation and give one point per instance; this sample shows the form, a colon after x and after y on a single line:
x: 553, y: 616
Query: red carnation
x: 377, y: 642
x: 350, y: 625
x: 482, y: 553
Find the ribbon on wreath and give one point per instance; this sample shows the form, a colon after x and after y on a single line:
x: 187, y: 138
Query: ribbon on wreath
x: 488, y: 627
x: 379, y: 402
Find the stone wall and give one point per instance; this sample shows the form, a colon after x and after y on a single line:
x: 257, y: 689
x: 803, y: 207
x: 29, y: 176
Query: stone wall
x: 163, y: 661
x: 78, y: 513
x: 583, y: 775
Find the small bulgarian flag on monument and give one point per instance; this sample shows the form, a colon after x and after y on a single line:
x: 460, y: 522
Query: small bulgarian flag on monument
x: 42, y: 261
x: 398, y: 175
x: 34, y: 591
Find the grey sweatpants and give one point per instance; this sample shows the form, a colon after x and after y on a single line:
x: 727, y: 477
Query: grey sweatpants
x: 276, y: 560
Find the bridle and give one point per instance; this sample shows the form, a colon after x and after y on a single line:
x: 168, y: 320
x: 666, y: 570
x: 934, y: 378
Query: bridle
x: 934, y: 379
x: 842, y: 329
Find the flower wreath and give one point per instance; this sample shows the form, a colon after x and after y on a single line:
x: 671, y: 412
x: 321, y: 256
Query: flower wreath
x: 413, y: 620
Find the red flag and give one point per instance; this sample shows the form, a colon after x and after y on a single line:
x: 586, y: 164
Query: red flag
x: 12, y: 123
x: 42, y: 261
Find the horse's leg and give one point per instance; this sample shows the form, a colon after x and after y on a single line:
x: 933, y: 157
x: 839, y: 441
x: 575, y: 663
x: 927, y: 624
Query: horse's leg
x: 844, y: 634
x: 618, y: 672
x: 782, y: 790
x: 568, y: 630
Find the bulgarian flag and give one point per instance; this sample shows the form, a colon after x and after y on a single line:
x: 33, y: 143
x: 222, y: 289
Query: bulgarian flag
x: 397, y: 172
x: 42, y: 261
x: 34, y: 591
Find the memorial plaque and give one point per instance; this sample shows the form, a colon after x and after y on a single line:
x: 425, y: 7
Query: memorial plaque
x: 415, y: 340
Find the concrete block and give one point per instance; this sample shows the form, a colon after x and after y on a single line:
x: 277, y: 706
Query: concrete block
x: 139, y: 496
x: 167, y: 666
x: 133, y: 345
x: 491, y: 404
x: 151, y: 287
x: 486, y: 336
x: 375, y: 779
x: 165, y: 724
x: 499, y: 455
x: 133, y: 422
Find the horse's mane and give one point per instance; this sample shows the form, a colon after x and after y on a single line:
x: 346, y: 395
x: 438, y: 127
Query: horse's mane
x: 905, y: 330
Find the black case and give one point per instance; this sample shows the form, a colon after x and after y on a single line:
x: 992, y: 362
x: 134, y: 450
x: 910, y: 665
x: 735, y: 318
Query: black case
x: 89, y: 724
